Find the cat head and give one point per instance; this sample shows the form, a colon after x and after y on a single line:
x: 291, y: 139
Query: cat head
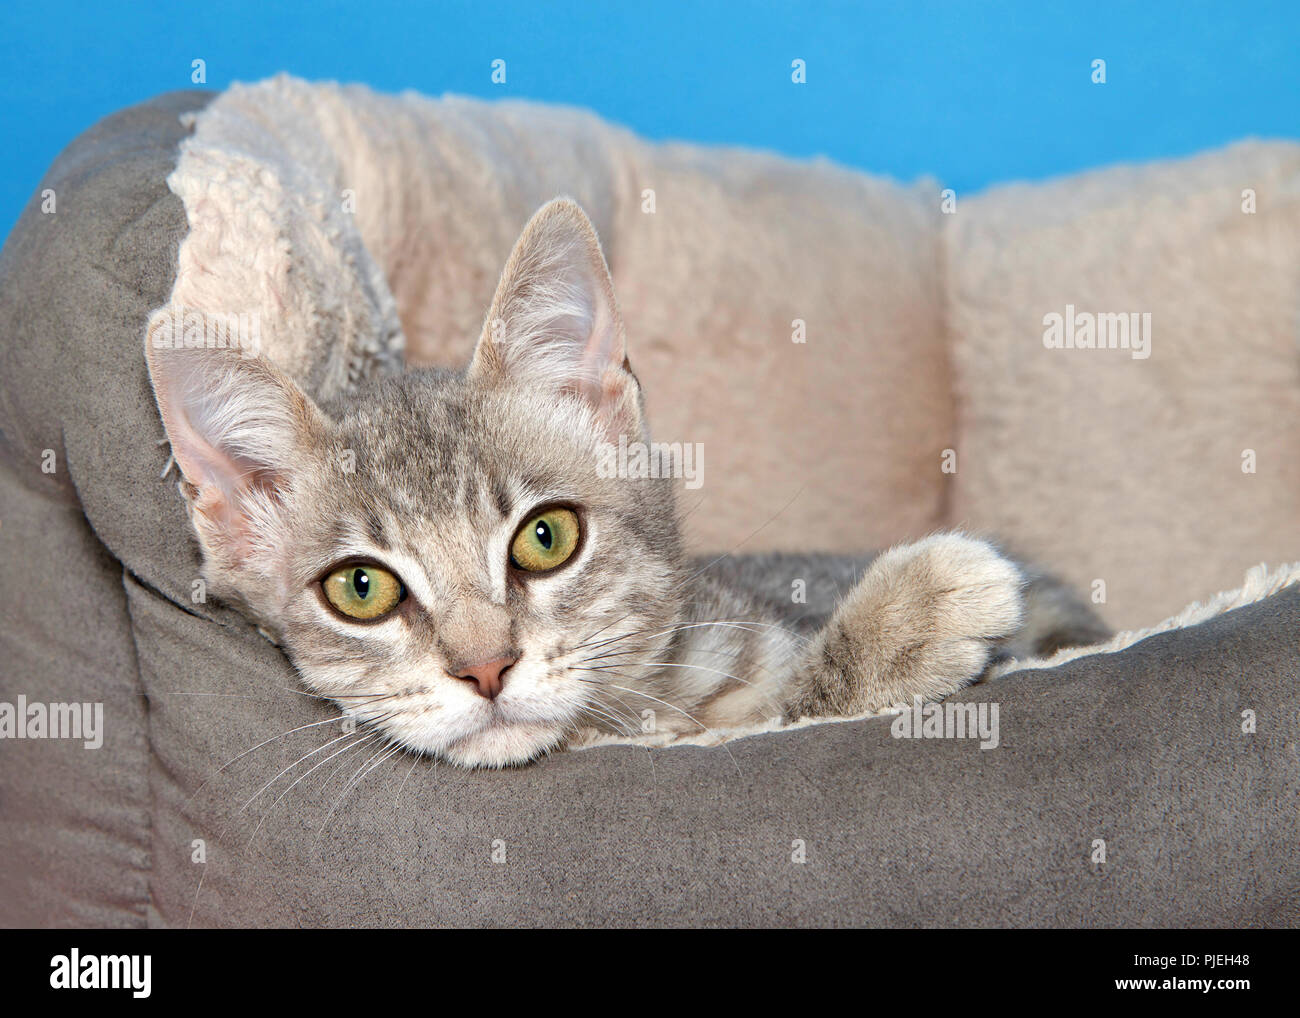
x: 440, y: 552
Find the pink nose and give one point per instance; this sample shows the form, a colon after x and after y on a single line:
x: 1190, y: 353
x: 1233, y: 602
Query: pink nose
x: 489, y: 677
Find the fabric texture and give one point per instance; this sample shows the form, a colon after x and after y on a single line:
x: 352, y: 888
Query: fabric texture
x: 1162, y: 476
x: 75, y: 286
x: 190, y: 814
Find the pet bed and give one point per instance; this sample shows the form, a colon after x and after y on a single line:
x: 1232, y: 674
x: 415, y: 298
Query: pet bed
x: 1153, y: 781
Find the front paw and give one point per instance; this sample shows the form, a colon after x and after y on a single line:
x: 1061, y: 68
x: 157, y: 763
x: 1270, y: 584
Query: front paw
x: 923, y: 619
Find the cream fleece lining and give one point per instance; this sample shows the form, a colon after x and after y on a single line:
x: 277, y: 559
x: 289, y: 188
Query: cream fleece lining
x: 251, y: 180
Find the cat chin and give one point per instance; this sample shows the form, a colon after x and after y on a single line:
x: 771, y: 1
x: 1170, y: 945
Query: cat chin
x: 503, y: 745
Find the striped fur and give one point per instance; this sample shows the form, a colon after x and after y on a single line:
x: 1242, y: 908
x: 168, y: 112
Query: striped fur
x: 430, y: 474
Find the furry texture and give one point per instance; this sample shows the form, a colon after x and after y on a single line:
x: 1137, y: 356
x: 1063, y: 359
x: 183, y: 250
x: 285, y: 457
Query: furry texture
x: 1260, y: 582
x: 433, y: 478
x: 280, y: 162
x: 376, y: 206
x: 1163, y: 477
x: 191, y: 687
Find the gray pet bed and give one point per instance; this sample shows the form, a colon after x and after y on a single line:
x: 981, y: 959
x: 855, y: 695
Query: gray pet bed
x: 1142, y: 749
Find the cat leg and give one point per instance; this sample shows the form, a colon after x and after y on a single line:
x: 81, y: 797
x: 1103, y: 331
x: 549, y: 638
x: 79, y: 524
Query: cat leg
x: 921, y: 621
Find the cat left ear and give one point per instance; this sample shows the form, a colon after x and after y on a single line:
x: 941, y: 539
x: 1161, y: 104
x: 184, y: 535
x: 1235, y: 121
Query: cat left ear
x: 240, y: 431
x: 554, y: 323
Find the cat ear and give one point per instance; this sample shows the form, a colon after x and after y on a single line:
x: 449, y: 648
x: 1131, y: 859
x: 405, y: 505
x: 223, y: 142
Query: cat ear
x: 240, y: 431
x: 554, y: 324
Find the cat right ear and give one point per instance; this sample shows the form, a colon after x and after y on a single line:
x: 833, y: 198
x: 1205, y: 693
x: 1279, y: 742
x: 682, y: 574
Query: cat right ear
x: 240, y: 431
x: 554, y: 324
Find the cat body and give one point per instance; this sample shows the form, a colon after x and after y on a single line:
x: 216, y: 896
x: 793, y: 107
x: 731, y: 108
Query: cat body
x: 440, y: 554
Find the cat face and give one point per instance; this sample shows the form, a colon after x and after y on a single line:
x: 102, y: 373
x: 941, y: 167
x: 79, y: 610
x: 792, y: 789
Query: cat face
x: 440, y: 553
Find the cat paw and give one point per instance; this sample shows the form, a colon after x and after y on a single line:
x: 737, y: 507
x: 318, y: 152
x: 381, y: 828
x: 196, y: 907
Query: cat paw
x: 921, y: 621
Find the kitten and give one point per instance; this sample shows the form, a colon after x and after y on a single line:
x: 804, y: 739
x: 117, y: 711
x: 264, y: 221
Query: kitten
x: 475, y: 589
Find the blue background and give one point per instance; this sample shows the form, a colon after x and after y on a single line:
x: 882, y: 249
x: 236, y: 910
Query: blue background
x: 969, y: 93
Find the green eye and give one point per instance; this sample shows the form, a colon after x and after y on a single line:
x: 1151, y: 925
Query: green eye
x: 545, y: 541
x: 362, y: 591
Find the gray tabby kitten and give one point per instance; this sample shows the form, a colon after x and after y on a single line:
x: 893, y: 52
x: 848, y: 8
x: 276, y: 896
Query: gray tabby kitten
x: 475, y: 589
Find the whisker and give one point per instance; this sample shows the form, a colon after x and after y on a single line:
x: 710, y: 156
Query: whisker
x: 737, y: 548
x: 195, y: 904
x: 750, y: 625
x: 415, y: 760
x: 631, y: 734
x: 703, y: 668
x: 352, y: 745
x: 672, y: 706
x: 385, y: 752
x: 620, y: 724
x: 228, y: 763
x: 614, y: 655
x: 305, y: 756
x: 286, y: 770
